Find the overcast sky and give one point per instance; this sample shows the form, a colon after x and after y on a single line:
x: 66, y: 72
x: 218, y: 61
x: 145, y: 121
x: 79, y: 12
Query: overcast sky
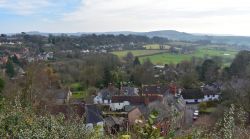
x: 194, y: 16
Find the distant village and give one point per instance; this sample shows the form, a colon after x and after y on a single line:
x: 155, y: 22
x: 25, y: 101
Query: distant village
x: 114, y: 105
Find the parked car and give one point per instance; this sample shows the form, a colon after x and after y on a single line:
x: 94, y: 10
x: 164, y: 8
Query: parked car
x: 195, y: 115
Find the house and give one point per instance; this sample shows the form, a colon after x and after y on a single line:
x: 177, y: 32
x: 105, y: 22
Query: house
x: 104, y: 96
x: 134, y: 114
x: 166, y: 109
x: 129, y: 91
x: 94, y: 117
x: 130, y: 113
x: 114, y: 124
x: 211, y: 91
x: 62, y: 96
x: 154, y: 90
x: 116, y: 106
x: 85, y: 51
x: 192, y: 95
x: 211, y: 95
x: 136, y: 100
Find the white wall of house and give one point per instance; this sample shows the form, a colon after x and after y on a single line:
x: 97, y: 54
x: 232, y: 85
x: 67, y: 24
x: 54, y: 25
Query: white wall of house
x: 193, y: 100
x: 98, y: 100
x: 118, y: 106
x: 206, y: 98
x: 211, y: 97
x: 106, y: 101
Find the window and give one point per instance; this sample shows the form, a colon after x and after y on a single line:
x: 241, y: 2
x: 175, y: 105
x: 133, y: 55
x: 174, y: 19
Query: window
x: 208, y: 95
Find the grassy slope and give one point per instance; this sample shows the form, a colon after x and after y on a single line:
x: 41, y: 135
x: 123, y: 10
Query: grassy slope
x: 137, y: 52
x: 166, y: 58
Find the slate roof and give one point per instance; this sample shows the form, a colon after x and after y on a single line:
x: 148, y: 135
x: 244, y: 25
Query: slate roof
x: 130, y: 91
x: 192, y: 94
x: 107, y: 93
x: 93, y: 114
x: 128, y: 108
x: 154, y: 89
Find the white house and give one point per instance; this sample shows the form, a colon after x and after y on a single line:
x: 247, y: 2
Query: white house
x: 197, y: 95
x: 192, y: 95
x: 118, y: 106
x: 208, y: 96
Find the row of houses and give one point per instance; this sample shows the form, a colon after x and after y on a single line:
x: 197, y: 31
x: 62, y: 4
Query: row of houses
x: 116, y: 110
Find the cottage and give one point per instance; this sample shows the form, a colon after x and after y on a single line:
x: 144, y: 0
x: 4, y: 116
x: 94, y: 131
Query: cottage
x: 192, y: 95
x: 211, y: 91
x: 210, y: 95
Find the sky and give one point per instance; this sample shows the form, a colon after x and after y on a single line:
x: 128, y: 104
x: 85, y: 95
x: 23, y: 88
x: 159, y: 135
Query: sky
x: 68, y: 16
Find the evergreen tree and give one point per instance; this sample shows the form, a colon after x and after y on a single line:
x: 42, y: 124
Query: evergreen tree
x: 10, y: 68
x: 107, y: 76
x: 137, y: 61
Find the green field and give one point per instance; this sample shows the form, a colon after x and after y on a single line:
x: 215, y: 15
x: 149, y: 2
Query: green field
x: 166, y: 58
x: 156, y: 46
x: 137, y: 52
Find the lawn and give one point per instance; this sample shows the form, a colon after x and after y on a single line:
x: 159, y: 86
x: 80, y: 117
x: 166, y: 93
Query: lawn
x: 166, y: 58
x: 79, y: 94
x: 137, y: 52
x: 76, y: 86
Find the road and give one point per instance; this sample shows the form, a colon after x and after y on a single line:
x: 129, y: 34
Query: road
x: 190, y: 108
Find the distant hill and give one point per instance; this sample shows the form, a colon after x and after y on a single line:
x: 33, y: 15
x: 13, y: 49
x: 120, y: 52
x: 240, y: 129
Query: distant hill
x: 172, y: 35
x: 175, y: 35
